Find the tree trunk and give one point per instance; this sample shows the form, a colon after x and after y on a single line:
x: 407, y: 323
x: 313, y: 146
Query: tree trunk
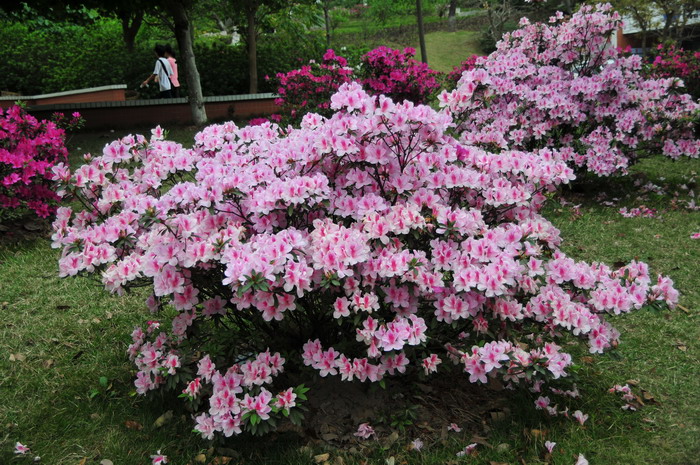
x: 183, y: 34
x: 568, y: 7
x: 252, y: 50
x: 421, y: 31
x: 452, y: 14
x: 327, y: 18
x: 131, y: 23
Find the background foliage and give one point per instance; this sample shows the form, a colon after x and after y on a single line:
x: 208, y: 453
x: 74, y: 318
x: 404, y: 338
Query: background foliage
x: 65, y: 57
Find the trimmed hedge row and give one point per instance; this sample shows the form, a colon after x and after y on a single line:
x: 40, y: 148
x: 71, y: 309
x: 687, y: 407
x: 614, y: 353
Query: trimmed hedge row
x: 36, y: 61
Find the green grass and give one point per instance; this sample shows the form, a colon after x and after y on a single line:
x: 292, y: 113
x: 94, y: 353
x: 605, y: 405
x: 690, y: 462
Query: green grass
x: 70, y: 332
x: 367, y: 25
x: 446, y: 50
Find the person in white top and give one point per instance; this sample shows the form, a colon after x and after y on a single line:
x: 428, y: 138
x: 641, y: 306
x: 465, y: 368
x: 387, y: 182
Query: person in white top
x: 161, y: 73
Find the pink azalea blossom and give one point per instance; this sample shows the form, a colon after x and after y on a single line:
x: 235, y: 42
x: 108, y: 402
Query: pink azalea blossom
x: 549, y: 445
x: 21, y: 449
x: 364, y: 431
x: 454, y: 427
x: 468, y: 450
x: 159, y: 459
x: 580, y: 416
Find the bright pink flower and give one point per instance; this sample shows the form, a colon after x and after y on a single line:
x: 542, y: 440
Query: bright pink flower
x: 431, y: 363
x: 21, y: 449
x: 159, y: 459
x: 286, y: 399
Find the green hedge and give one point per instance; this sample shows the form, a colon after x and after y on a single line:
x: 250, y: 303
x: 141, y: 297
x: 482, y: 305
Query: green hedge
x: 73, y: 57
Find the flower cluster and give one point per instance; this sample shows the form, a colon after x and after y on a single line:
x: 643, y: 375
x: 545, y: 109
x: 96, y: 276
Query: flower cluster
x: 638, y: 212
x: 674, y: 62
x: 560, y: 85
x: 29, y: 148
x: 398, y: 75
x: 382, y: 71
x: 627, y: 396
x: 467, y: 65
x: 309, y: 88
x: 365, y: 245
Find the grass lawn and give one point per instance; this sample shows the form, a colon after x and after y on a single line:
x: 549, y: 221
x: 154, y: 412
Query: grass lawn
x: 58, y: 337
x: 441, y: 47
x: 367, y: 25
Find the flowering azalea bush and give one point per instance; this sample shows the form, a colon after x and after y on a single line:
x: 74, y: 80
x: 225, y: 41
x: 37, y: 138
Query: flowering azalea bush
x: 674, y: 62
x: 561, y: 85
x: 309, y: 88
x: 366, y: 245
x: 29, y: 148
x: 383, y: 71
x: 398, y: 75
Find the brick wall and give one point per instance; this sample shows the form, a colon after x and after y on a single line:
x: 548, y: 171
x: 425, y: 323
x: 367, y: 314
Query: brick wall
x: 133, y: 113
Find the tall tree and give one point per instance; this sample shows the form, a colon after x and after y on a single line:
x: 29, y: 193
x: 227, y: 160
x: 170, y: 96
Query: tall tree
x: 131, y: 20
x: 178, y: 10
x: 256, y: 14
x: 327, y: 20
x: 421, y: 31
x: 250, y: 9
x: 452, y: 14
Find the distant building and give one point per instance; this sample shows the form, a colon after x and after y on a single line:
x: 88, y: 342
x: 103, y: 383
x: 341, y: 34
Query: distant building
x: 631, y: 34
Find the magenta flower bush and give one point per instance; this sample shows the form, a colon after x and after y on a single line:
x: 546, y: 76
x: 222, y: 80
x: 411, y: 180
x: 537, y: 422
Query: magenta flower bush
x: 674, y: 62
x: 562, y: 86
x: 367, y: 245
x: 29, y: 148
x: 383, y: 71
x: 309, y: 88
x: 398, y: 75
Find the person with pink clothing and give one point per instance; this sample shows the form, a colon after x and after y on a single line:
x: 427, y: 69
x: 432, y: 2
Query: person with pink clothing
x: 174, y: 77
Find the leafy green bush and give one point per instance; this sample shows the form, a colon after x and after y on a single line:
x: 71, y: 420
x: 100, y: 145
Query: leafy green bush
x: 64, y: 57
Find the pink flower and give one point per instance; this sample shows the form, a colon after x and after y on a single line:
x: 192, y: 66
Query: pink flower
x: 286, y: 399
x: 416, y: 444
x: 159, y: 459
x: 549, y: 445
x: 695, y: 235
x: 193, y: 387
x: 21, y: 449
x: 454, y: 427
x: 468, y: 450
x: 431, y: 363
x: 542, y: 402
x: 580, y: 416
x: 581, y: 460
x: 364, y: 431
x: 205, y: 368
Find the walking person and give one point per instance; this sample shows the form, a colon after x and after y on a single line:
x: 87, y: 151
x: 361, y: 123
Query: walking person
x: 161, y: 73
x: 173, y: 64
